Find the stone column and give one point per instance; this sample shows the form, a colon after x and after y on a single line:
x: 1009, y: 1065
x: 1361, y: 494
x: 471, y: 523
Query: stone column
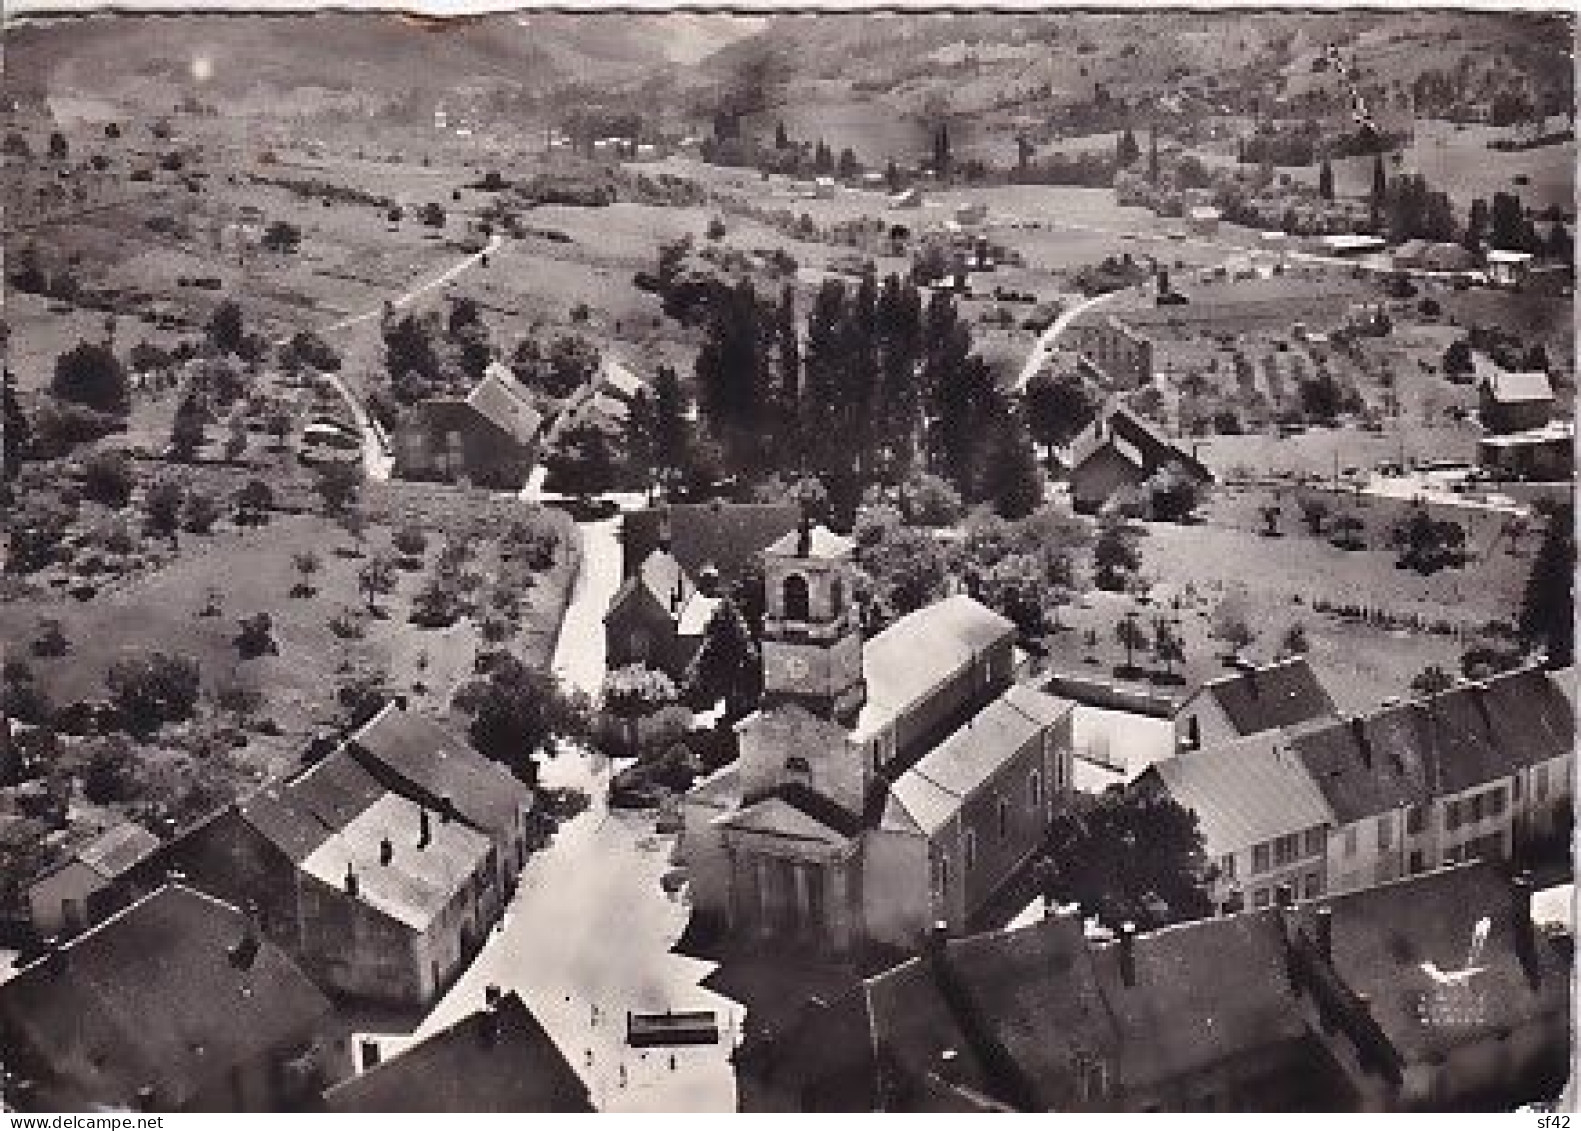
x: 765, y: 899
x: 803, y: 905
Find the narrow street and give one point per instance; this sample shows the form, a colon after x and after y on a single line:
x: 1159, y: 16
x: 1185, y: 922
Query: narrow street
x: 590, y: 925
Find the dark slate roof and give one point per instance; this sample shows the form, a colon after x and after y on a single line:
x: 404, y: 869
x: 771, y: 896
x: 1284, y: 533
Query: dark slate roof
x: 415, y: 756
x: 300, y: 813
x: 499, y: 1059
x: 111, y: 853
x: 1120, y: 423
x: 1281, y: 694
x: 1027, y: 998
x: 157, y: 996
x: 1204, y: 992
x: 496, y: 398
x: 1395, y: 943
x: 1446, y: 743
x: 724, y: 535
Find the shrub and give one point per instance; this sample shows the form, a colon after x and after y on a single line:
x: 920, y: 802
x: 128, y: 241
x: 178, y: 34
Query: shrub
x: 152, y: 689
x: 90, y: 374
x: 107, y: 479
x: 199, y: 512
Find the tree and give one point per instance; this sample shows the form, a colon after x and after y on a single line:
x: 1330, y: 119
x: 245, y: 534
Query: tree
x: 199, y: 512
x: 781, y: 138
x: 942, y: 160
x: 1115, y: 556
x: 376, y: 579
x: 253, y: 500
x: 519, y: 714
x: 1058, y: 407
x: 1126, y: 150
x: 1431, y: 680
x: 187, y: 429
x: 1295, y: 642
x: 107, y: 774
x: 1346, y: 530
x: 90, y: 374
x: 716, y: 230
x: 225, y: 329
x: 16, y: 433
x: 163, y: 508
x: 236, y: 440
x: 583, y: 460
x: 928, y: 500
x: 726, y: 665
x: 107, y: 478
x: 281, y: 236
x: 51, y: 639
x: 1230, y: 625
x: 1457, y: 360
x: 1270, y: 513
x: 1314, y: 512
x: 58, y: 149
x: 1169, y: 646
x: 306, y: 563
x: 256, y: 637
x: 906, y: 566
x: 1326, y: 180
x: 1128, y: 856
x: 154, y: 688
x: 432, y: 215
x: 338, y: 486
x: 1173, y: 493
x: 1016, y: 480
x: 21, y: 697
x: 1128, y: 631
x: 1426, y: 544
x: 1548, y: 603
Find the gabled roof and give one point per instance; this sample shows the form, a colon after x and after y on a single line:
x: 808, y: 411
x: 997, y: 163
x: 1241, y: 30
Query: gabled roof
x: 113, y: 852
x: 1443, y: 744
x: 795, y: 812
x: 696, y: 614
x: 1245, y: 792
x: 1280, y: 694
x: 298, y: 814
x: 1395, y: 942
x: 413, y: 754
x: 1120, y: 428
x: 1203, y: 992
x: 419, y: 882
x: 912, y: 657
x: 499, y: 1059
x: 619, y: 379
x: 497, y: 401
x: 159, y: 995
x: 1505, y: 387
x: 933, y: 790
x: 725, y: 535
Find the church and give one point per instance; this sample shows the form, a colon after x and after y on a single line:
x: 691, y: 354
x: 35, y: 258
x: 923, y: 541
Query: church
x: 884, y: 785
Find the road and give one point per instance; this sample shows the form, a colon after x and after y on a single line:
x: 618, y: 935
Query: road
x: 377, y: 460
x: 1049, y: 339
x: 591, y: 924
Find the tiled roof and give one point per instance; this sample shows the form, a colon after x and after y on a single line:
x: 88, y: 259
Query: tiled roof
x: 933, y: 790
x: 158, y: 996
x: 498, y: 402
x: 908, y: 660
x: 1280, y: 694
x: 1447, y: 743
x: 724, y: 535
x: 418, y: 882
x: 113, y: 852
x: 418, y: 757
x: 1245, y: 792
x: 298, y: 814
x: 495, y: 1060
x: 1395, y: 943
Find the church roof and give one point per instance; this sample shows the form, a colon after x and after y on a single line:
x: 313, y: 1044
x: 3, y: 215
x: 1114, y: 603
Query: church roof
x: 911, y: 658
x: 935, y: 788
x: 794, y: 812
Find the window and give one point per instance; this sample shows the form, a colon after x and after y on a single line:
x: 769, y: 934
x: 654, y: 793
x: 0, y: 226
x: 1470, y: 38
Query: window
x: 794, y: 598
x: 1496, y: 802
x: 1004, y: 818
x: 1287, y: 849
x: 1418, y: 862
x: 942, y: 874
x: 370, y: 1054
x: 1193, y: 732
x: 1540, y: 782
x: 1227, y: 866
x: 1385, y: 831
x: 1260, y: 859
x: 1316, y: 838
x: 1312, y: 886
x: 1452, y: 854
x: 1260, y: 898
x: 836, y: 597
x: 1415, y: 819
x: 1515, y: 789
x: 1452, y: 816
x: 1475, y: 805
x: 971, y: 850
x: 1350, y: 841
x: 1036, y: 785
x: 799, y: 767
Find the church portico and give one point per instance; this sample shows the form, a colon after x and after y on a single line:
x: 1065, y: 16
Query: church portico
x: 790, y: 878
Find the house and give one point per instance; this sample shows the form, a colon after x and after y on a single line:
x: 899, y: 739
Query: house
x: 489, y: 437
x: 618, y: 381
x: 1472, y: 772
x: 1120, y: 449
x: 380, y: 867
x: 1251, y: 700
x: 1263, y: 820
x: 1434, y: 992
x: 1199, y: 1017
x: 1119, y: 354
x: 498, y: 1059
x: 174, y: 1003
x: 1513, y: 402
x: 884, y: 785
x: 1508, y: 268
x: 1440, y: 991
x: 1545, y: 454
x: 678, y: 561
x: 1203, y: 220
x: 1348, y: 246
x: 83, y: 886
x: 1430, y: 255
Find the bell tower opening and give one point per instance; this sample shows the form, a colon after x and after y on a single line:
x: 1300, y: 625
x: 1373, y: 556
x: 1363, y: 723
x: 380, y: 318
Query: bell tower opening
x: 812, y: 639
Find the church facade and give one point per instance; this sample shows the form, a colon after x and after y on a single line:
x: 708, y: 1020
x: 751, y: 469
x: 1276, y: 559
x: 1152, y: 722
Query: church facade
x: 884, y: 785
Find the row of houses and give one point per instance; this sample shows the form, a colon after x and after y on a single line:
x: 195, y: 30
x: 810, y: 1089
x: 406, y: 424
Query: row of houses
x: 1436, y: 992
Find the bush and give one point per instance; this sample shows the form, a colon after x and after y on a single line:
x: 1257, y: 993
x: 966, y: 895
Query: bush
x: 200, y: 512
x: 257, y: 636
x: 59, y: 426
x: 107, y: 776
x: 437, y: 605
x: 153, y: 689
x: 107, y: 479
x: 409, y: 541
x: 90, y: 374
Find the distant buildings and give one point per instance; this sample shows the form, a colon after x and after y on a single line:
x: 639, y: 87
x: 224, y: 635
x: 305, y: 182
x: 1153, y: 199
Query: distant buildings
x: 884, y: 785
x: 175, y: 1003
x: 489, y: 437
x: 1118, y: 450
x: 498, y: 1059
x: 1337, y: 804
x: 1120, y: 355
x: 1432, y: 993
x: 1513, y: 402
x: 82, y: 887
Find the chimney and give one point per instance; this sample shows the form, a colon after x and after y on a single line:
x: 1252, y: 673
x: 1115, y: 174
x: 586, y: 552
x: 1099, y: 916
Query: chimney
x: 351, y: 881
x: 424, y: 832
x: 1358, y: 730
x: 1128, y: 953
x: 708, y: 581
x: 400, y: 702
x: 937, y: 934
x: 386, y: 851
x: 949, y: 1066
x: 144, y: 1099
x: 1325, y: 932
x: 447, y: 810
x: 492, y: 996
